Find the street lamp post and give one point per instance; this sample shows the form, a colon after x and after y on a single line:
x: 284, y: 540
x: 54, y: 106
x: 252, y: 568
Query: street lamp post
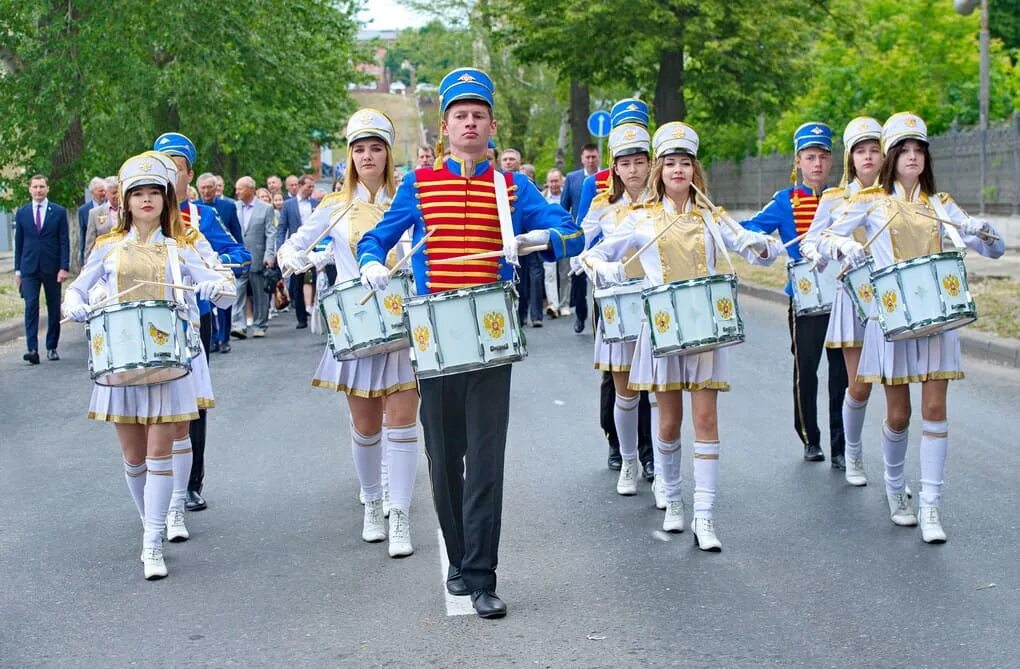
x: 964, y: 8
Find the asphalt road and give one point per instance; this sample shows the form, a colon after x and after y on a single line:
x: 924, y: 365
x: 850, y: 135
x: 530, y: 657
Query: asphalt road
x: 813, y: 573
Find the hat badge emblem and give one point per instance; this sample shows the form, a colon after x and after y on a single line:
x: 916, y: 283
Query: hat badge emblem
x: 365, y: 119
x: 911, y: 122
x: 465, y: 77
x: 679, y: 133
x: 629, y: 134
x: 817, y: 131
x: 145, y: 166
x: 632, y: 107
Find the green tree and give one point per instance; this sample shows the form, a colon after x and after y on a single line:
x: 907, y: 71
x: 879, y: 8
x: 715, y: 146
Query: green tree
x: 433, y: 50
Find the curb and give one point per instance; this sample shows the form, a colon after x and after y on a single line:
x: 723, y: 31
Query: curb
x: 14, y: 328
x: 974, y: 343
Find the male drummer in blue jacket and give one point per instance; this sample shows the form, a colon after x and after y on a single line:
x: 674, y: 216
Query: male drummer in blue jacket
x: 791, y: 212
x: 466, y: 414
x: 189, y: 452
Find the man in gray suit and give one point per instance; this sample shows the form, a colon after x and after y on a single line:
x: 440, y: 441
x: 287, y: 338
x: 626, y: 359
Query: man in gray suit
x: 259, y: 227
x: 103, y: 218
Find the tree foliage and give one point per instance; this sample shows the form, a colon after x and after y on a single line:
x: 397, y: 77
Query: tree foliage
x: 85, y: 85
x: 433, y: 50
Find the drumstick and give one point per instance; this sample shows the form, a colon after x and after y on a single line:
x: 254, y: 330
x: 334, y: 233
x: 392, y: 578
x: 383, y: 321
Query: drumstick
x: 651, y: 241
x: 108, y: 301
x: 178, y: 286
x: 736, y: 227
x: 984, y: 235
x: 493, y: 254
x: 794, y: 240
x: 868, y: 243
x: 400, y: 263
x: 336, y: 218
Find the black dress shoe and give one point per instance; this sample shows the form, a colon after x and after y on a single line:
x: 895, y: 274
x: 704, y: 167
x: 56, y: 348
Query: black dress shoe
x: 455, y: 584
x: 32, y: 357
x: 813, y: 453
x: 838, y: 461
x: 578, y: 326
x: 536, y: 324
x: 615, y: 461
x: 649, y: 470
x: 488, y: 604
x: 194, y: 501
x: 225, y: 347
x: 301, y: 326
x: 52, y: 354
x: 214, y: 347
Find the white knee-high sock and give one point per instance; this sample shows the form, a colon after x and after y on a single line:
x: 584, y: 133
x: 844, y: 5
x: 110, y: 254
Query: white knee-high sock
x: 402, y: 452
x: 934, y: 444
x: 625, y: 416
x: 367, y: 451
x: 668, y: 453
x: 159, y: 486
x: 656, y: 458
x: 706, y: 475
x: 894, y: 452
x: 853, y: 425
x: 182, y: 458
x: 135, y: 477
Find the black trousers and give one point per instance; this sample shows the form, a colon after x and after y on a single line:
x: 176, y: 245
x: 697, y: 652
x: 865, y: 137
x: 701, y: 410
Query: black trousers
x: 30, y: 285
x: 197, y: 428
x: 296, y: 288
x: 807, y: 336
x: 464, y: 418
x: 579, y: 296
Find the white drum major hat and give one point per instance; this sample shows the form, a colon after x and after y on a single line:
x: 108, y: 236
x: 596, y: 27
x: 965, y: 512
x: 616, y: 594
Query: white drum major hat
x: 901, y: 126
x: 370, y: 123
x: 675, y: 137
x: 142, y: 170
x: 860, y: 129
x: 628, y: 139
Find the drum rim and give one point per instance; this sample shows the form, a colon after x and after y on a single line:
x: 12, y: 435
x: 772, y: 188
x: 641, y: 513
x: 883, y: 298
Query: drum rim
x: 169, y: 364
x: 920, y: 260
x: 120, y: 306
x: 616, y: 289
x: 704, y: 344
x: 356, y: 281
x: 702, y: 280
x: 420, y: 300
x: 938, y: 320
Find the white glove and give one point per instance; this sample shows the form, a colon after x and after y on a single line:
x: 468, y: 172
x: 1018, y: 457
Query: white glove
x: 320, y: 259
x: 295, y: 262
x: 974, y: 227
x: 810, y: 251
x: 754, y: 241
x: 533, y: 238
x: 208, y: 290
x: 374, y: 275
x: 79, y: 313
x: 853, y: 252
x: 576, y: 265
x: 608, y: 273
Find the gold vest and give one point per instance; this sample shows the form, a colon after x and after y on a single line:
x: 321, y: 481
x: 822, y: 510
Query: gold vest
x: 913, y: 235
x: 682, y: 248
x: 146, y: 262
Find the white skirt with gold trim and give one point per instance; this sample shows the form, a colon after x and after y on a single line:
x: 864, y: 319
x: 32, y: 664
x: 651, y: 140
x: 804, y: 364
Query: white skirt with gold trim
x: 845, y: 329
x: 202, y: 380
x: 612, y: 356
x: 909, y: 360
x: 375, y: 376
x: 169, y: 402
x: 698, y: 371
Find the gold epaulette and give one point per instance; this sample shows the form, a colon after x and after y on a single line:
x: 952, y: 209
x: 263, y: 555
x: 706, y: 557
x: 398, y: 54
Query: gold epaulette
x: 333, y: 199
x: 870, y: 194
x: 109, y: 238
x: 191, y: 235
x: 834, y: 193
x: 944, y: 198
x: 600, y: 200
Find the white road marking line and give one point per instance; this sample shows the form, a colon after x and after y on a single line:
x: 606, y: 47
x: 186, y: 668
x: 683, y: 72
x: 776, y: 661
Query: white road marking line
x: 455, y: 606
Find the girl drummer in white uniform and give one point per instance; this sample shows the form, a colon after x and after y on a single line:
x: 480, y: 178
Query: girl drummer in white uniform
x: 862, y: 161
x: 378, y: 382
x: 690, y: 248
x: 629, y: 144
x: 143, y: 247
x: 901, y: 209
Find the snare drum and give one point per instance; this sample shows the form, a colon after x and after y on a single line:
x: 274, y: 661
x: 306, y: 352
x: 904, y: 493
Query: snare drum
x: 620, y: 311
x: 137, y: 344
x: 356, y: 330
x: 464, y: 330
x: 693, y: 316
x: 813, y: 288
x: 857, y: 284
x: 923, y: 296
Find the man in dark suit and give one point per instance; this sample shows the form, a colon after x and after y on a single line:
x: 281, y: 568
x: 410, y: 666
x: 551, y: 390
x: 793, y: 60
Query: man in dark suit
x: 295, y: 210
x: 42, y: 257
x: 227, y: 211
x: 97, y: 189
x: 569, y: 200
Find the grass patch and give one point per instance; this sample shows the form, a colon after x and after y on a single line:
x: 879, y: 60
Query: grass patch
x: 11, y: 304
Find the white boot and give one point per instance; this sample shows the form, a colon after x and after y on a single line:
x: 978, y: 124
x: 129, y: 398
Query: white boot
x: 704, y: 535
x: 627, y: 483
x: 154, y: 566
x: 899, y: 509
x: 176, y: 530
x: 374, y: 528
x: 674, y: 520
x: 400, y: 534
x: 659, y: 490
x: 386, y: 502
x: 931, y: 525
x: 855, y: 472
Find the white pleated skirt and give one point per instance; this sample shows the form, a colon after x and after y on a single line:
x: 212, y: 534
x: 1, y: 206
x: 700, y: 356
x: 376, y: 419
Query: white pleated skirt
x: 845, y: 329
x: 698, y: 371
x: 170, y: 402
x: 896, y: 363
x: 612, y: 356
x: 203, y: 381
x: 375, y: 376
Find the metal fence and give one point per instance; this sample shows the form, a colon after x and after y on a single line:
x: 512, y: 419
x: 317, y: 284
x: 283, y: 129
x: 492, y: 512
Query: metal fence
x: 749, y: 183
